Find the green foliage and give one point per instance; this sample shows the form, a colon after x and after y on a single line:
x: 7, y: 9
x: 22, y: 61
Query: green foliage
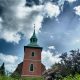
x: 33, y: 78
x: 27, y: 78
x: 76, y: 77
x: 5, y: 78
x: 16, y: 75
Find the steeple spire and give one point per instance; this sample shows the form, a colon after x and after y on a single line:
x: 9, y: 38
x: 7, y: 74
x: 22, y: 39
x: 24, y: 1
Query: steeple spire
x: 34, y: 31
x: 33, y: 40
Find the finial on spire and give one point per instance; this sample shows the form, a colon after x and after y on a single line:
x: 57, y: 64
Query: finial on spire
x: 34, y: 29
x: 34, y: 26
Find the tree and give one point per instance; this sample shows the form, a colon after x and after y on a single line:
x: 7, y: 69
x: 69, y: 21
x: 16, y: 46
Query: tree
x: 75, y: 61
x: 2, y: 70
x: 69, y: 65
x: 71, y: 62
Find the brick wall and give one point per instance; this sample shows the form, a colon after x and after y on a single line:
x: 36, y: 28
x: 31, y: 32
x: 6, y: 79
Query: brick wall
x: 35, y: 60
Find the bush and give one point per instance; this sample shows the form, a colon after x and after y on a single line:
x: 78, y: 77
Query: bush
x: 76, y: 77
x: 5, y: 78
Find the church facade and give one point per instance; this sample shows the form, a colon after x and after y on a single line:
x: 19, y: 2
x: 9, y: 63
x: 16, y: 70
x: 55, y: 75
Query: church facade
x: 32, y: 65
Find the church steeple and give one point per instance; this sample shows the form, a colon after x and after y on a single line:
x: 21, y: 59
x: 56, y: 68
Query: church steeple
x: 32, y: 66
x: 33, y: 40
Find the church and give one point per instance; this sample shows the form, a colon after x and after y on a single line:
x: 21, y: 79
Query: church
x: 31, y: 65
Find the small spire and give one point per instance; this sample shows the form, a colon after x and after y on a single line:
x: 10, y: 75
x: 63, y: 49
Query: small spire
x: 33, y: 39
x: 34, y: 28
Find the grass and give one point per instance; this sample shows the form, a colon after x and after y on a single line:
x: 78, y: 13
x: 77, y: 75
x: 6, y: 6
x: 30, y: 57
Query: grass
x: 27, y: 78
x: 76, y: 77
x: 38, y: 78
x: 5, y: 78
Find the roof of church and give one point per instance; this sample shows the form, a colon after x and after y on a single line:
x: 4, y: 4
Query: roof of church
x: 18, y: 70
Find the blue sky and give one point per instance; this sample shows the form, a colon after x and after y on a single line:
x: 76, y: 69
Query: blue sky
x: 57, y: 28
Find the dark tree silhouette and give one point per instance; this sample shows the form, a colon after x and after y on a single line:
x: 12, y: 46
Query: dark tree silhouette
x: 2, y: 70
x: 69, y: 65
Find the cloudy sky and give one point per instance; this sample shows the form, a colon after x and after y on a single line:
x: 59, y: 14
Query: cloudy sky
x: 57, y: 28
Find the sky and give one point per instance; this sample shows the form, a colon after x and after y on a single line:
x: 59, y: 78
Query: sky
x: 57, y: 25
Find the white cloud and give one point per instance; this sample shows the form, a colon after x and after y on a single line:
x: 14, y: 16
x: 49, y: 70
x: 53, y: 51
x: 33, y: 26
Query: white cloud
x: 76, y: 41
x: 1, y: 20
x: 10, y: 36
x: 51, y: 36
x: 8, y: 58
x: 1, y: 23
x: 20, y: 10
x: 71, y: 1
x: 10, y: 67
x: 51, y: 47
x: 52, y: 10
x: 48, y: 59
x: 36, y: 14
x: 18, y: 18
x: 32, y: 16
x: 77, y: 10
x: 10, y: 61
x: 61, y: 2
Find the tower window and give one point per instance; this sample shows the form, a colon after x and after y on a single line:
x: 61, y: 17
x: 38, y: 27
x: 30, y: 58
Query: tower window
x: 32, y: 54
x: 31, y: 67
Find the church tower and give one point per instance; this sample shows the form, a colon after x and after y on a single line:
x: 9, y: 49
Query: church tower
x: 32, y: 65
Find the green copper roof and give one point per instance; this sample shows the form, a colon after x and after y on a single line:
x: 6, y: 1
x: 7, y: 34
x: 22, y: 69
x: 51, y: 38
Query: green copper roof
x: 33, y: 40
x: 33, y: 45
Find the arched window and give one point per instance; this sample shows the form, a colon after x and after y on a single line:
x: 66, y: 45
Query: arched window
x: 32, y: 54
x: 31, y: 67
